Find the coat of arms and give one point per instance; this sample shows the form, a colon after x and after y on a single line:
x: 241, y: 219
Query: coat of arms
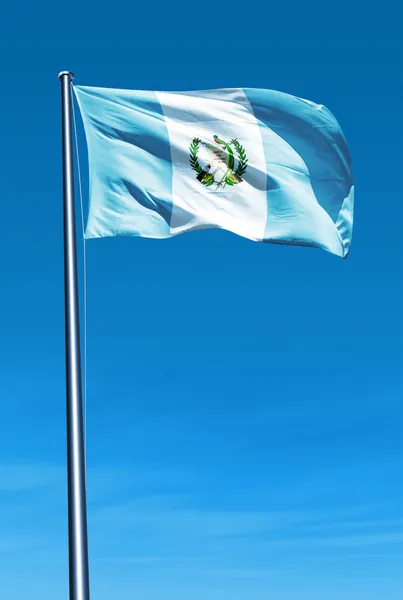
x: 216, y: 163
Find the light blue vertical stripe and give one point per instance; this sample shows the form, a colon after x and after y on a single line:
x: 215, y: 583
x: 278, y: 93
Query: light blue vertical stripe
x: 129, y: 154
x: 313, y: 132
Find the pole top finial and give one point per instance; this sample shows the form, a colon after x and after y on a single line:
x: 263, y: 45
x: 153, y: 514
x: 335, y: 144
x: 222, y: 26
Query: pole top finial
x: 63, y: 73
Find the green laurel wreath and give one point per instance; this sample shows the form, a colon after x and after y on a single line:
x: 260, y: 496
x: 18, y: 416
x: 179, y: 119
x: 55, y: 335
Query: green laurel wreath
x: 243, y: 161
x: 209, y: 179
x: 193, y: 150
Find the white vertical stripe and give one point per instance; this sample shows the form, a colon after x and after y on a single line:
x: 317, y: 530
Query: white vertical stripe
x: 241, y: 208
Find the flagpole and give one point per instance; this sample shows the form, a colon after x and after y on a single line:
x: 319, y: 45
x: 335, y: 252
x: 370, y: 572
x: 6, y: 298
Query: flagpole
x: 77, y: 505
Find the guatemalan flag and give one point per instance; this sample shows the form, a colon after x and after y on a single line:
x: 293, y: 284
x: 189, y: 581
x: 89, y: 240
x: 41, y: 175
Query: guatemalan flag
x: 263, y: 164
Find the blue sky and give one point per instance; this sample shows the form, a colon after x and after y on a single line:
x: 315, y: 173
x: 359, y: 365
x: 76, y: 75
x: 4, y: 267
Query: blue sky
x: 244, y: 400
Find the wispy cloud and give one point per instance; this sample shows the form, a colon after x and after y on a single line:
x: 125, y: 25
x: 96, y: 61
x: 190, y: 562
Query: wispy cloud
x: 347, y: 540
x: 136, y: 528
x: 168, y: 526
x: 29, y: 477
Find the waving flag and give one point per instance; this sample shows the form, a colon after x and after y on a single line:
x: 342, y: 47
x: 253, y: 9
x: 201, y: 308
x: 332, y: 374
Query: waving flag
x: 263, y: 164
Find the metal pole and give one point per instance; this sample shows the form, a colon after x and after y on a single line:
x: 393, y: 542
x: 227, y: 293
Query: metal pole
x: 77, y: 505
